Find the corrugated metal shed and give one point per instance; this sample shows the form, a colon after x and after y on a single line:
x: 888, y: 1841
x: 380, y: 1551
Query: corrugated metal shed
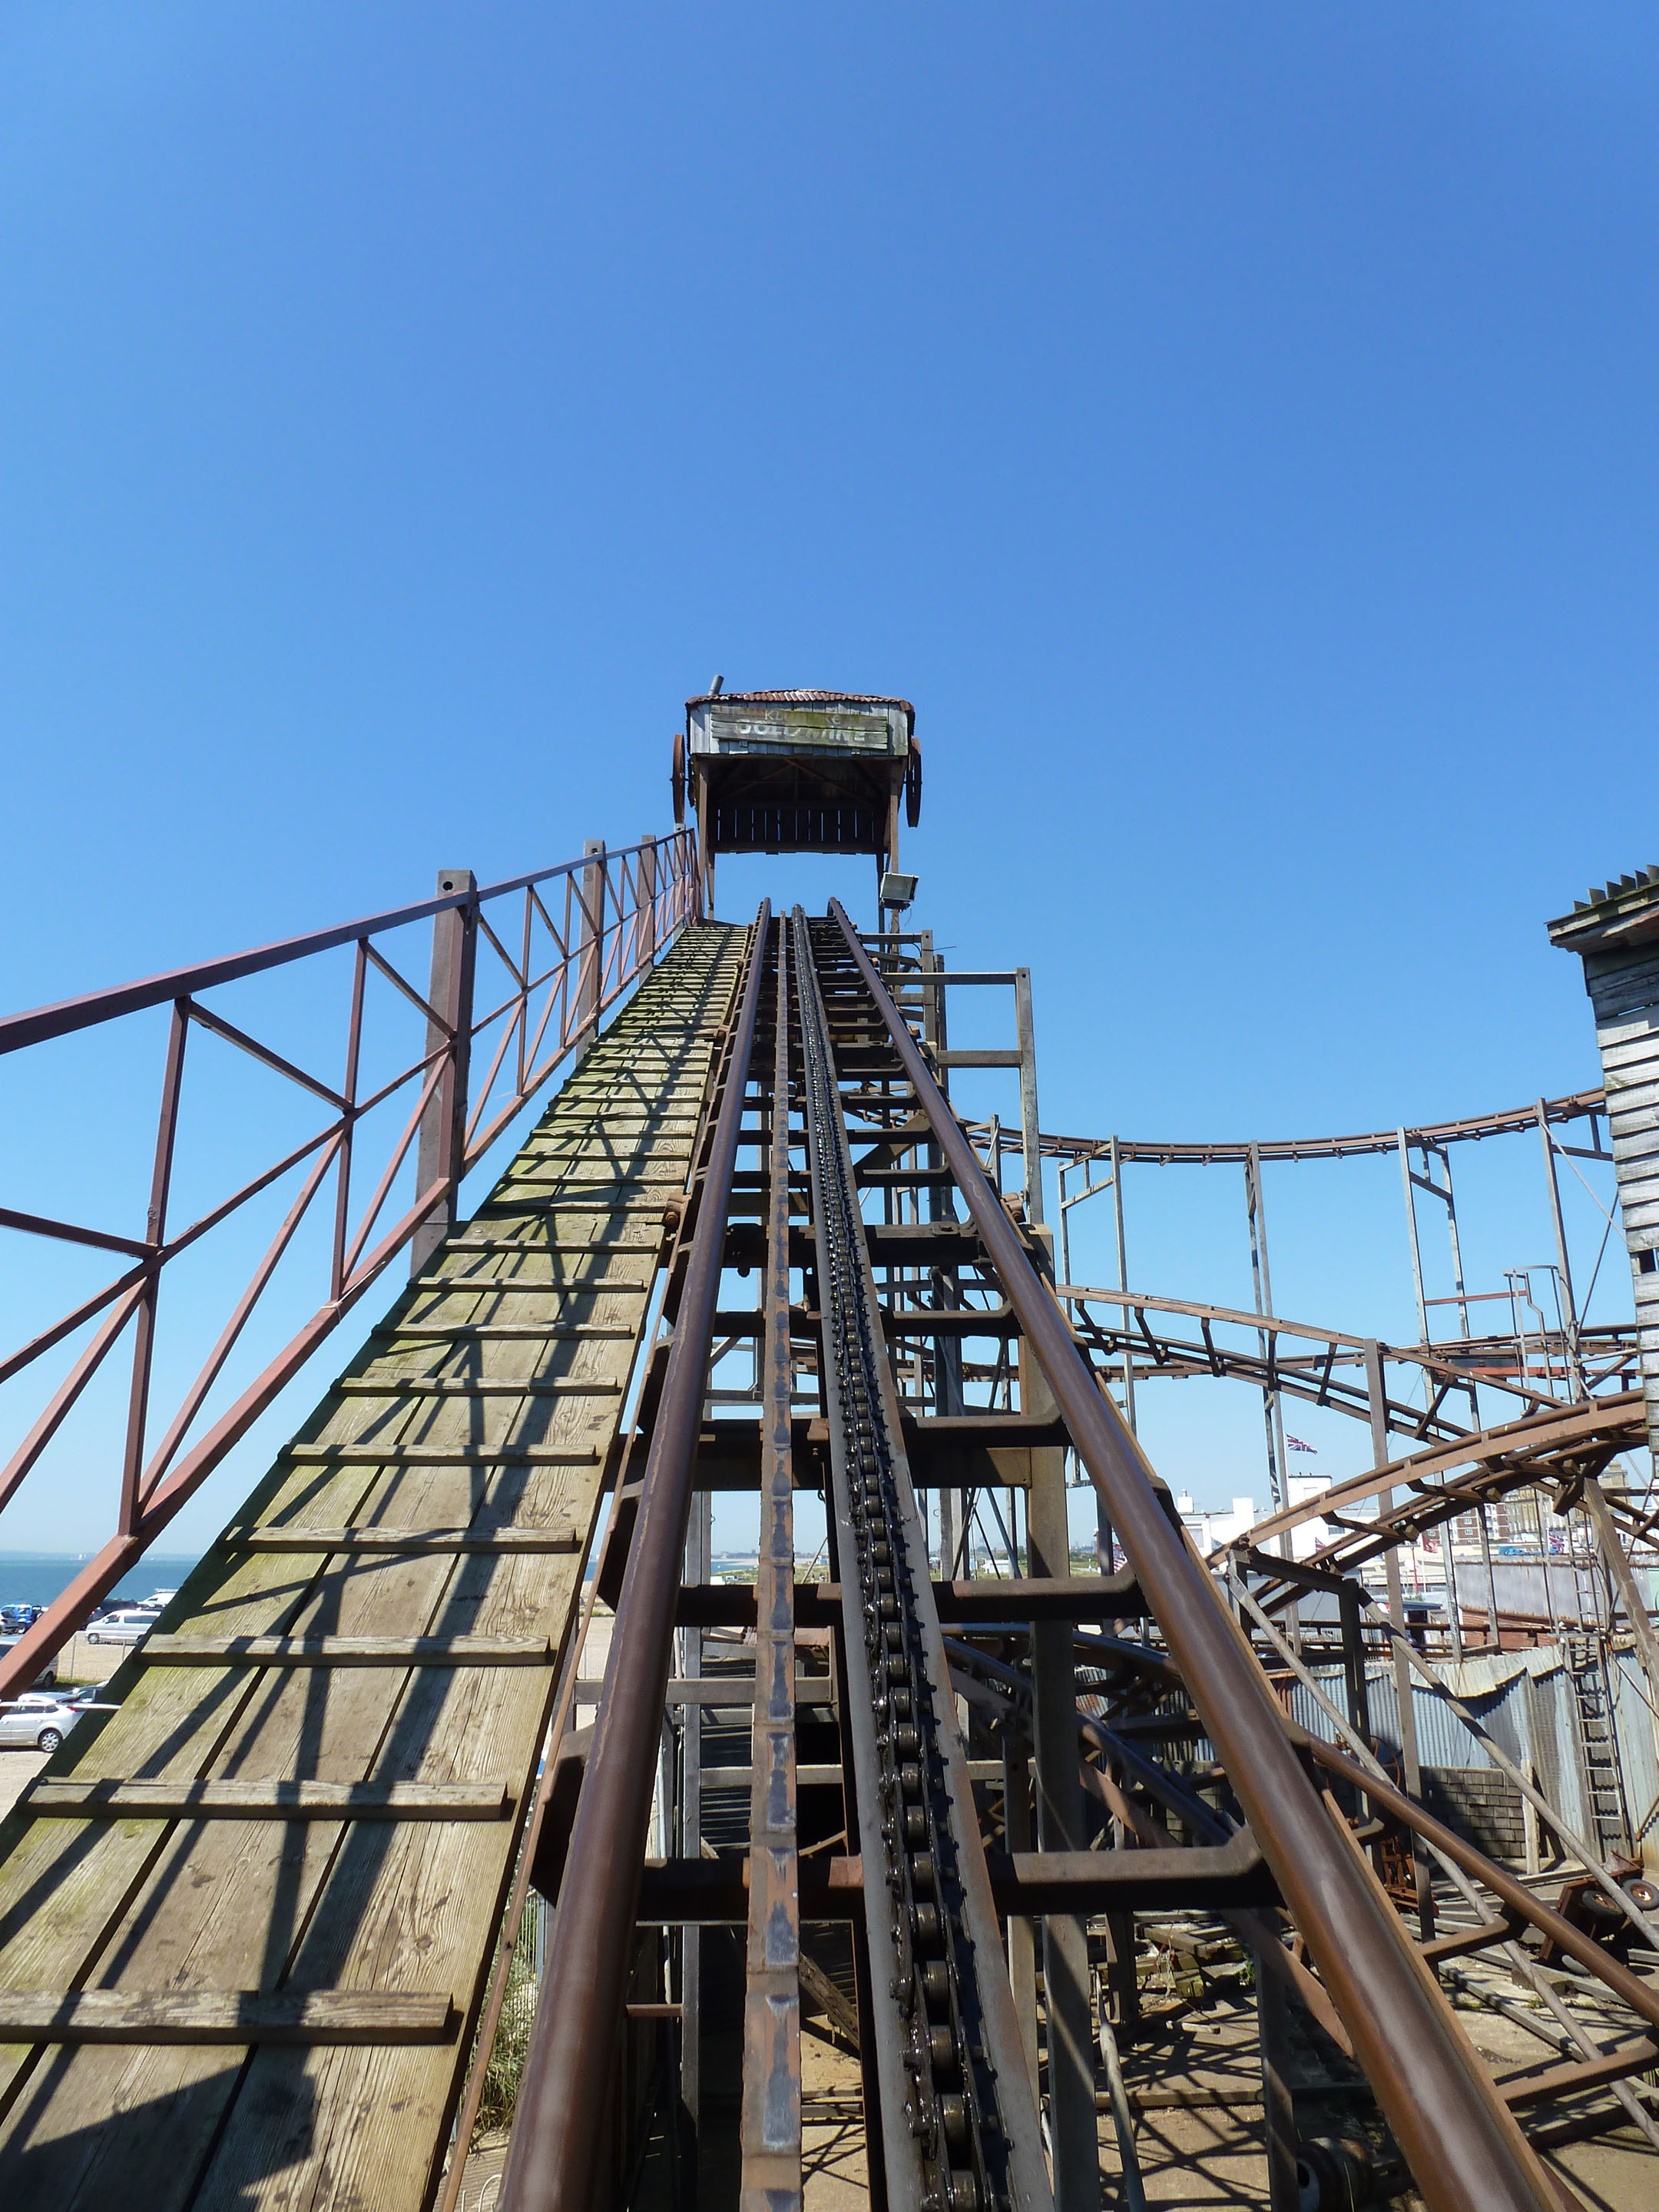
x: 1617, y: 932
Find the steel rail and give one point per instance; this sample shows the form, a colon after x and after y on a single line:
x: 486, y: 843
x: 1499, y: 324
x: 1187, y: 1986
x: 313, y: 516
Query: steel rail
x: 1576, y: 1106
x: 1159, y: 1357
x: 1614, y: 1342
x: 1465, y: 2148
x: 771, y: 2123
x: 564, y: 2101
x: 1613, y: 1423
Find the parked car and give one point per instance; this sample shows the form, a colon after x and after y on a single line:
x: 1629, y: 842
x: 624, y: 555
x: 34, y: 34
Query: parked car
x: 48, y: 1674
x: 130, y: 1624
x: 37, y: 1721
x: 14, y: 1618
x: 90, y: 1698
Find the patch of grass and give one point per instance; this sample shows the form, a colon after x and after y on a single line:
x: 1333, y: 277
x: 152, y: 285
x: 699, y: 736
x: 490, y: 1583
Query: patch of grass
x: 505, y: 2072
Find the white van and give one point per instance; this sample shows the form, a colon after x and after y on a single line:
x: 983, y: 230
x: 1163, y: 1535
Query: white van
x: 129, y: 1626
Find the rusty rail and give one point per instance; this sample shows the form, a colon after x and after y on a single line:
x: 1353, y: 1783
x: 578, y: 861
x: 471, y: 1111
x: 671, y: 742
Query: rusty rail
x: 563, y: 2106
x: 1465, y: 2148
x: 771, y: 2122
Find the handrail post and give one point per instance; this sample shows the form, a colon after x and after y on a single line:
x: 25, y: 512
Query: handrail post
x: 589, y: 950
x: 144, y: 1336
x: 443, y: 1145
x: 645, y: 924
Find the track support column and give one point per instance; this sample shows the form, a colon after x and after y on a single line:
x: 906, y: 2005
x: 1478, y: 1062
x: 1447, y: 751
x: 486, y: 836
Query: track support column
x: 1071, y: 2125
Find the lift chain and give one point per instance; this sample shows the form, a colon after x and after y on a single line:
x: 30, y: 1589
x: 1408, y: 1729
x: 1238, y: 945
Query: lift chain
x: 950, y: 2104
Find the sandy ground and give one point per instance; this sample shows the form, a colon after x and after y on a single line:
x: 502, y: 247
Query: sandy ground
x: 79, y: 1662
x: 481, y: 2184
x: 833, y: 2170
x: 17, y: 1770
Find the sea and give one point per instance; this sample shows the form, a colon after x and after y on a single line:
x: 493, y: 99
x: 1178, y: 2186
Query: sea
x: 37, y: 1577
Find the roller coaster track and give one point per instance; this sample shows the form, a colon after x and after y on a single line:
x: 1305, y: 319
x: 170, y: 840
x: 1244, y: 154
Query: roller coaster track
x: 1578, y: 1105
x: 254, y: 1915
x: 1554, y: 1451
x: 1322, y: 1376
x: 919, y: 1865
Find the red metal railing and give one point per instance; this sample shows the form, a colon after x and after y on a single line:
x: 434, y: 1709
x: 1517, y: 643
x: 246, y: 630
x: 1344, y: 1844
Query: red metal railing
x: 565, y: 943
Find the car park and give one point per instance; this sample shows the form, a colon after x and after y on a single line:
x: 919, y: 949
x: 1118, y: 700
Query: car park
x: 36, y: 1721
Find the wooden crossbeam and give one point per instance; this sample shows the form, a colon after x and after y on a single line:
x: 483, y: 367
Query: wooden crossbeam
x: 458, y: 1386
x: 505, y: 1332
x: 590, y: 1286
x: 406, y: 1542
x: 536, y: 1246
x: 394, y: 1455
x: 303, y: 2016
x: 213, y: 1799
x: 345, y: 1651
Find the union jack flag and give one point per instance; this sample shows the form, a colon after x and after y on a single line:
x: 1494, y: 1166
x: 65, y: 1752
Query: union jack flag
x: 1297, y: 1444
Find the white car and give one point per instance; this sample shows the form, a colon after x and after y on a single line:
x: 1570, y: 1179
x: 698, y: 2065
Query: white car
x: 129, y: 1626
x: 37, y: 1721
x: 48, y: 1674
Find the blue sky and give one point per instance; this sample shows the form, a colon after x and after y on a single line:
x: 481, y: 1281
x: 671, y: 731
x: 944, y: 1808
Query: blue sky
x: 1233, y: 429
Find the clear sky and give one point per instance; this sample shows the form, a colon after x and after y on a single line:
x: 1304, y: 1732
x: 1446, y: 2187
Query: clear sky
x: 1233, y: 428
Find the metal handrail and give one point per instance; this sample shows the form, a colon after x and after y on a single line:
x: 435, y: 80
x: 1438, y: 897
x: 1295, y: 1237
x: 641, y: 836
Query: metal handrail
x: 64, y: 1016
x: 620, y: 908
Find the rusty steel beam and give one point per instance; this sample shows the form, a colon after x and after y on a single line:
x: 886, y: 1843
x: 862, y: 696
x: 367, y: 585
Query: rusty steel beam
x: 770, y: 2122
x: 1465, y: 2148
x: 1512, y: 1894
x: 564, y: 2105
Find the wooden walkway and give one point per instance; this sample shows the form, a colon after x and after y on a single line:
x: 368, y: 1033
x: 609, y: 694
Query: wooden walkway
x: 246, y: 1922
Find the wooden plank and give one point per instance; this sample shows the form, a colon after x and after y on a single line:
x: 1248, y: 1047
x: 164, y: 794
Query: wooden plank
x: 532, y: 1248
x: 646, y: 1208
x: 345, y: 1651
x: 244, y: 2016
x: 454, y: 1386
x: 396, y: 1454
x: 433, y: 1903
x: 521, y: 1286
x: 403, y: 1542
x: 505, y: 1332
x: 216, y: 1799
x: 358, y: 1904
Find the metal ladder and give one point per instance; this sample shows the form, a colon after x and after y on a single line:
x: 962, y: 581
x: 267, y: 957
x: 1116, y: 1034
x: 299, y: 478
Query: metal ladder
x: 1604, y: 1780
